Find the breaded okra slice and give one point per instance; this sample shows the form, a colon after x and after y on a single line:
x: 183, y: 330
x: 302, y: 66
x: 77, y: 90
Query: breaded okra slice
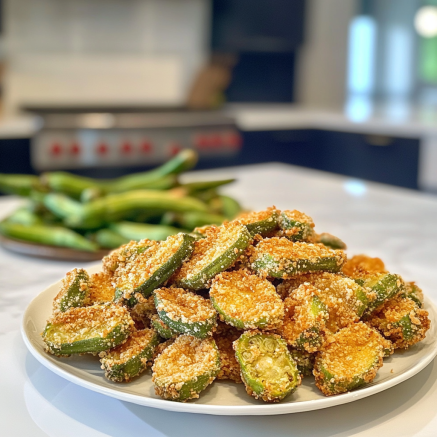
x: 304, y: 361
x: 349, y: 359
x: 150, y: 269
x: 401, y: 321
x: 92, y: 329
x: 224, y: 337
x: 305, y: 319
x: 330, y: 241
x: 161, y: 328
x: 262, y: 223
x: 185, y: 312
x: 296, y: 226
x: 101, y: 289
x: 217, y: 252
x: 384, y: 286
x: 74, y: 291
x: 267, y: 368
x: 119, y: 257
x: 128, y: 360
x: 345, y: 299
x: 282, y: 258
x: 363, y: 263
x: 185, y: 368
x: 246, y: 301
x: 413, y: 292
x: 143, y: 311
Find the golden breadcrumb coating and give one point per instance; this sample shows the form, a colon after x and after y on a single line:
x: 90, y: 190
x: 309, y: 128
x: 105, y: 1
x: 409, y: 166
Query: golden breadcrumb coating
x: 247, y: 299
x: 390, y: 320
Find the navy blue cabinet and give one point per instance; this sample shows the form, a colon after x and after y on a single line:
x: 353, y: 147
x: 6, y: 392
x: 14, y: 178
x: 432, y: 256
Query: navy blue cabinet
x: 376, y: 158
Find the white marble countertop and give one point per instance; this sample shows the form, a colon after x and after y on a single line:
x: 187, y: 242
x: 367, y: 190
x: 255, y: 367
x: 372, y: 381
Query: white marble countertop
x: 395, y: 224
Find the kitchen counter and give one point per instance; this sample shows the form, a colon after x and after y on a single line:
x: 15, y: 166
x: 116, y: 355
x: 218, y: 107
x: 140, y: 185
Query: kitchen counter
x: 395, y: 224
x: 391, y: 118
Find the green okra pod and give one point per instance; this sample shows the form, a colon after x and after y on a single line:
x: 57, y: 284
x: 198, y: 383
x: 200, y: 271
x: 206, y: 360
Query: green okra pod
x: 50, y: 235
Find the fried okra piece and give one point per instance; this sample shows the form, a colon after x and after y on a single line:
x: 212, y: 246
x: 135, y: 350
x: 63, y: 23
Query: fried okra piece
x: 345, y: 300
x: 384, y: 286
x: 267, y: 368
x: 150, y: 269
x: 401, y: 321
x: 246, y: 301
x: 304, y: 361
x: 161, y: 328
x: 363, y: 263
x: 128, y: 360
x: 217, y: 252
x: 74, y: 291
x: 262, y: 223
x: 101, y: 289
x: 330, y: 241
x: 119, y: 257
x: 91, y: 329
x: 413, y: 292
x: 305, y: 319
x: 282, y: 258
x: 349, y: 359
x: 296, y: 226
x: 185, y: 368
x: 224, y: 336
x: 185, y: 312
x: 143, y: 311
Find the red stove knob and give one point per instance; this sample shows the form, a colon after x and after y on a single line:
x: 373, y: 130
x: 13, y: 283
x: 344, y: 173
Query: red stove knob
x: 102, y: 149
x: 234, y: 140
x: 75, y: 149
x: 175, y: 149
x: 56, y: 149
x: 201, y: 141
x: 216, y: 140
x: 146, y: 147
x: 126, y: 148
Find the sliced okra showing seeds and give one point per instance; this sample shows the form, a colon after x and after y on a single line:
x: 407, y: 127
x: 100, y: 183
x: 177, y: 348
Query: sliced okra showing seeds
x: 185, y: 368
x: 74, y: 291
x: 246, y: 301
x: 152, y: 268
x: 282, y: 258
x: 217, y: 252
x: 185, y: 312
x: 401, y: 321
x: 91, y: 329
x: 305, y: 319
x: 128, y: 360
x: 350, y: 359
x: 267, y: 368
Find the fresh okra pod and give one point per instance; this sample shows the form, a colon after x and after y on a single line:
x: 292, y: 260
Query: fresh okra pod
x: 20, y: 184
x: 50, y: 235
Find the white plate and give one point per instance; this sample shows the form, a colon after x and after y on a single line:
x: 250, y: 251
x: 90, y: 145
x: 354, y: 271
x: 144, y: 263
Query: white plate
x: 223, y: 398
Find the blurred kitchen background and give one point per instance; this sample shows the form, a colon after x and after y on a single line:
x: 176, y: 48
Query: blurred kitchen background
x: 107, y: 87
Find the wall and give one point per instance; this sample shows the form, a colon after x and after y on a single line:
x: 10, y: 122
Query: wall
x: 321, y: 65
x: 99, y: 50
